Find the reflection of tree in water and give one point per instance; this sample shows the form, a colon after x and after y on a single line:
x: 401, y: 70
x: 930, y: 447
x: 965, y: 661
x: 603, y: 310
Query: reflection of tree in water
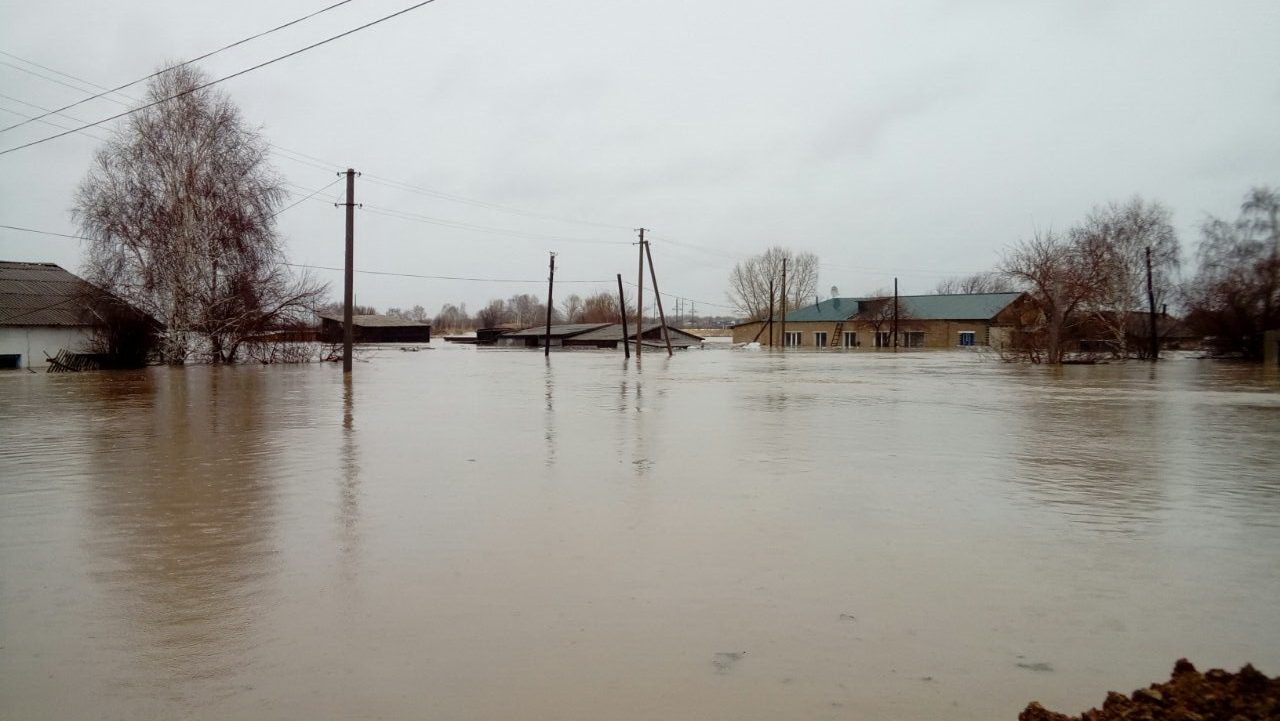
x: 182, y: 515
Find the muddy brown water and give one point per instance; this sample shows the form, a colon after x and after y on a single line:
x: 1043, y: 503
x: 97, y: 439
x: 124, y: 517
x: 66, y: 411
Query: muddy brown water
x: 466, y: 533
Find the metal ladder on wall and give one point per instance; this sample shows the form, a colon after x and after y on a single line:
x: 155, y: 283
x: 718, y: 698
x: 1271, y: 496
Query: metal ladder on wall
x: 837, y: 335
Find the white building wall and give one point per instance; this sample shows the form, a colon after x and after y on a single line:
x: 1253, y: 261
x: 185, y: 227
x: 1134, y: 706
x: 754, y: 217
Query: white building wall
x: 32, y: 343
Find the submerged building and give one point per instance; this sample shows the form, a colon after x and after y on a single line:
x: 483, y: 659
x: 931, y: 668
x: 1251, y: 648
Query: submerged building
x: 375, y: 329
x: 920, y: 321
x: 44, y: 310
x: 597, y: 335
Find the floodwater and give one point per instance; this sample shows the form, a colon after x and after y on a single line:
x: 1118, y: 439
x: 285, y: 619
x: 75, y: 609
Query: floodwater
x: 464, y: 533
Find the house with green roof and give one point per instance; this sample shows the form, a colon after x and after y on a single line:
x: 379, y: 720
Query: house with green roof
x: 914, y: 321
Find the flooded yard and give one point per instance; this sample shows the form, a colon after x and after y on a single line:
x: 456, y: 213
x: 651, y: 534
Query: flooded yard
x: 466, y: 533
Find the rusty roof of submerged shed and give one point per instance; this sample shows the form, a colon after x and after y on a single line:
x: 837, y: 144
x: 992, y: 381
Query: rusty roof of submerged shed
x: 376, y: 321
x: 967, y: 306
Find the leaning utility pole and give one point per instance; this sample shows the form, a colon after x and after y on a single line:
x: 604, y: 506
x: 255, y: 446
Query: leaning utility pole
x: 622, y: 313
x: 1154, y: 338
x: 784, y: 302
x: 348, y: 287
x: 551, y: 284
x: 662, y: 317
x: 640, y: 300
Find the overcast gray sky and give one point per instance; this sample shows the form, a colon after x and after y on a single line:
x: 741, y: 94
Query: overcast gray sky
x: 908, y: 139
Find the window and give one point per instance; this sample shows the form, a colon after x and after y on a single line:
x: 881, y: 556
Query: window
x: 913, y: 339
x: 884, y: 339
x: 791, y: 339
x: 10, y: 361
x: 820, y: 339
x: 968, y: 337
x: 850, y: 339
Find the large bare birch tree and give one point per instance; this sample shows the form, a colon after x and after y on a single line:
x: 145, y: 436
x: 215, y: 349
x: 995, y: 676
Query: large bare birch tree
x: 755, y: 285
x: 179, y: 210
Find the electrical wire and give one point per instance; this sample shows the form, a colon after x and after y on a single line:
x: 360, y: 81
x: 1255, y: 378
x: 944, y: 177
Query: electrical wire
x: 440, y: 277
x: 221, y: 79
x: 415, y: 217
x: 187, y: 62
x: 309, y: 197
x: 397, y: 185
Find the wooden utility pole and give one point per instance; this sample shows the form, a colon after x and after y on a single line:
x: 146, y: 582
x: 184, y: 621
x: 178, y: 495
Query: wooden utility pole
x: 551, y: 285
x: 622, y: 313
x: 895, y: 315
x: 784, y: 302
x: 662, y: 317
x: 348, y: 284
x: 640, y: 300
x: 1154, y: 338
x: 772, y: 337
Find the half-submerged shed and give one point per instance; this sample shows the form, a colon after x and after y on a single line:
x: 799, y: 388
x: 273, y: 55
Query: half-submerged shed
x: 375, y: 329
x: 596, y: 335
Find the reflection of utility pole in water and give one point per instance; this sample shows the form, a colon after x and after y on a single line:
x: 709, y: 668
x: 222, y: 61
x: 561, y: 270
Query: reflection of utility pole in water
x: 349, y: 501
x: 549, y: 430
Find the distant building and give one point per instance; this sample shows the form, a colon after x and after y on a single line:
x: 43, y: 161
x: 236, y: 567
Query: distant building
x: 924, y: 321
x: 43, y: 310
x: 1271, y: 348
x: 375, y: 329
x: 596, y: 335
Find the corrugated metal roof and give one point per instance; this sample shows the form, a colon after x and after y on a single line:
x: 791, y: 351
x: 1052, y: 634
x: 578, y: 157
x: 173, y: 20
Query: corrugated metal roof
x: 563, y: 330
x: 969, y: 306
x: 376, y: 321
x: 34, y: 294
x: 614, y: 333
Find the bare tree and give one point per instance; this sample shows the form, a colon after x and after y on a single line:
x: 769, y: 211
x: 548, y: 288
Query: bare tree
x: 335, y: 308
x: 987, y: 282
x: 451, y: 318
x: 1063, y: 279
x: 493, y: 315
x: 526, y: 310
x: 755, y: 285
x: 1235, y: 294
x: 572, y: 308
x: 881, y: 314
x: 1121, y: 237
x: 179, y: 211
x: 602, y: 307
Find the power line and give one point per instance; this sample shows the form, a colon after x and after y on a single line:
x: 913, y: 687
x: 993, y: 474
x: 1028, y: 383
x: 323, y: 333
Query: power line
x: 691, y: 300
x: 187, y: 62
x: 397, y: 185
x: 440, y: 277
x: 309, y: 197
x: 223, y: 78
x: 367, y: 272
x: 53, y: 80
x: 322, y: 164
x: 41, y: 118
x: 415, y: 217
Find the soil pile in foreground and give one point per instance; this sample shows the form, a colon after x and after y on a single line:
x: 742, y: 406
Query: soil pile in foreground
x: 1188, y: 696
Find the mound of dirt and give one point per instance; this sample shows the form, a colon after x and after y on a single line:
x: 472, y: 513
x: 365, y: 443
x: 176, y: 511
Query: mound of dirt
x: 1188, y: 696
